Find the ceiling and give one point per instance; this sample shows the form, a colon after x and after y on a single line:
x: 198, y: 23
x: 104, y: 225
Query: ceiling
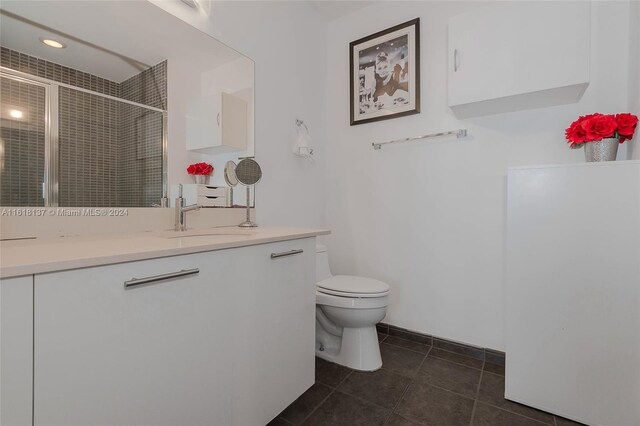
x: 333, y: 9
x: 111, y: 39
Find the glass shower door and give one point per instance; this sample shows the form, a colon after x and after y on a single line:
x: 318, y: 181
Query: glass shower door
x: 24, y: 138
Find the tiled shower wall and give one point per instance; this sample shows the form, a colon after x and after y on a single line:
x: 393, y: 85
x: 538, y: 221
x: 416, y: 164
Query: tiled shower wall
x: 88, y: 134
x: 140, y: 165
x: 110, y: 152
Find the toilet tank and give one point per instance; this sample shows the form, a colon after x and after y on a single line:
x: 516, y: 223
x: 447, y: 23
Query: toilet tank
x: 322, y: 263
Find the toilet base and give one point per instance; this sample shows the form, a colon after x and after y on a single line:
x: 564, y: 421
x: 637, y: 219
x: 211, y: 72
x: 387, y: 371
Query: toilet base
x: 357, y: 348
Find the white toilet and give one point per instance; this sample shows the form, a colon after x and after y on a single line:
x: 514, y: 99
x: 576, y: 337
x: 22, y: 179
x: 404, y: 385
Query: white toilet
x: 347, y: 311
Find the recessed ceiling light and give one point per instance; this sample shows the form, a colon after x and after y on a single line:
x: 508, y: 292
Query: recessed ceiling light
x: 15, y: 113
x: 53, y: 43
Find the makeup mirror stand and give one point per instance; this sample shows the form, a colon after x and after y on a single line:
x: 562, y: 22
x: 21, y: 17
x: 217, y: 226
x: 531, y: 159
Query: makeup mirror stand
x: 248, y: 173
x: 248, y: 223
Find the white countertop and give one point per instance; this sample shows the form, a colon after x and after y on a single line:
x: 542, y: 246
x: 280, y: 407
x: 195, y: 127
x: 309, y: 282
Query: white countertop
x: 35, y: 256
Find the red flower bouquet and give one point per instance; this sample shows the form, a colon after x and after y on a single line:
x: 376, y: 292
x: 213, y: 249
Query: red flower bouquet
x: 200, y: 169
x: 595, y: 127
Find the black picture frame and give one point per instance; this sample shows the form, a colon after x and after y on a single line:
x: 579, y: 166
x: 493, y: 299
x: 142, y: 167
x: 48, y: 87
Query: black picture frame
x: 381, y: 67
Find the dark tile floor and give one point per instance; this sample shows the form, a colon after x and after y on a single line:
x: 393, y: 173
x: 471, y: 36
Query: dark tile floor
x: 417, y: 385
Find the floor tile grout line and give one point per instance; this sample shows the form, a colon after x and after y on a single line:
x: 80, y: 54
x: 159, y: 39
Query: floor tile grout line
x: 412, y: 340
x: 473, y: 411
x: 431, y: 346
x: 402, y: 347
x: 285, y: 420
x: 361, y: 399
x: 475, y: 400
x: 333, y: 390
x: 458, y: 363
x: 513, y: 412
x: 450, y: 391
x: 365, y: 400
x: 411, y: 380
x: 519, y: 414
x: 391, y: 410
x: 316, y: 407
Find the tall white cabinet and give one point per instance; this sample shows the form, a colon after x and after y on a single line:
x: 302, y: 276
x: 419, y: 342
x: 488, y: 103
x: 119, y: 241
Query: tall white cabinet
x: 573, y: 291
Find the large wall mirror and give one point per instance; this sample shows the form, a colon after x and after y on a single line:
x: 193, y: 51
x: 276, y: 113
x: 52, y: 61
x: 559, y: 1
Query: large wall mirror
x: 104, y: 103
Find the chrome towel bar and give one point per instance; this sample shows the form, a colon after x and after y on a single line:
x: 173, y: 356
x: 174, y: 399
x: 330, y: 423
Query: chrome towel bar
x: 460, y: 133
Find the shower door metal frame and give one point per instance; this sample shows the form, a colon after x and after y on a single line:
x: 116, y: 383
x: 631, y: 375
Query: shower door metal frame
x: 51, y: 142
x: 50, y: 174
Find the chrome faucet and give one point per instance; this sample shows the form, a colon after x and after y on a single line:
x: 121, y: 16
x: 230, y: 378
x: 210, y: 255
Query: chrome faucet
x: 181, y: 211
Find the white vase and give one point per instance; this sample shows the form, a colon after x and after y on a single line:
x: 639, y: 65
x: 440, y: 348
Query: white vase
x: 603, y: 150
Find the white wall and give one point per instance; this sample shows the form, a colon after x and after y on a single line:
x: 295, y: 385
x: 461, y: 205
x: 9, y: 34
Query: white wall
x: 429, y: 217
x: 634, y: 73
x: 287, y: 42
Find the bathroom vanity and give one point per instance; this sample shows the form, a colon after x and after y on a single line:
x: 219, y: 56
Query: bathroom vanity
x: 205, y: 327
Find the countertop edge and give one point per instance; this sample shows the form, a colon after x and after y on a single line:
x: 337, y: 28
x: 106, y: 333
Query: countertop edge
x: 69, y: 264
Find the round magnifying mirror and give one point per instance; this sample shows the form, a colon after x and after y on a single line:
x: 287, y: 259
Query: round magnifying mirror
x: 248, y: 173
x: 230, y: 173
x: 230, y: 178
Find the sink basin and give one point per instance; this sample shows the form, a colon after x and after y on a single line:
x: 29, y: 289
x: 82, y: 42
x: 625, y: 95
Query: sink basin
x: 204, y: 233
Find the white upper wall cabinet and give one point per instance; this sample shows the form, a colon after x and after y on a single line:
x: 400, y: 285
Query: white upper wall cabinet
x: 518, y: 55
x: 217, y: 124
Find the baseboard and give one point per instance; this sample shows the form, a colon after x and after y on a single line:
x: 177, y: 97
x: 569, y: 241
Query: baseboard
x: 485, y: 354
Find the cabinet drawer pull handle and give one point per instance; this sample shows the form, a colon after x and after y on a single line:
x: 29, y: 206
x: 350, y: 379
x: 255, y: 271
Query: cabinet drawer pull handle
x: 286, y: 253
x: 455, y: 60
x: 134, y: 282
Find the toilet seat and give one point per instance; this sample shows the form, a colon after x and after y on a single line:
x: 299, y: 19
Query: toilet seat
x: 324, y: 299
x: 352, y: 286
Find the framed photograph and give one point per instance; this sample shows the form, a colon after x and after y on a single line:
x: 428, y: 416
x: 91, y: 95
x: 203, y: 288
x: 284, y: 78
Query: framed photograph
x: 385, y: 74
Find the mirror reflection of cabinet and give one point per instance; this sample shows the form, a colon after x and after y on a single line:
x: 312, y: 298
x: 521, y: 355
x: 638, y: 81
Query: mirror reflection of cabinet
x: 217, y: 124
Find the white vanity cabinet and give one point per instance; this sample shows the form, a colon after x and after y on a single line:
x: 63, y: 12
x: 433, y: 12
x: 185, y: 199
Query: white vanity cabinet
x: 106, y: 355
x: 16, y: 348
x: 501, y: 61
x: 274, y: 324
x: 231, y: 345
